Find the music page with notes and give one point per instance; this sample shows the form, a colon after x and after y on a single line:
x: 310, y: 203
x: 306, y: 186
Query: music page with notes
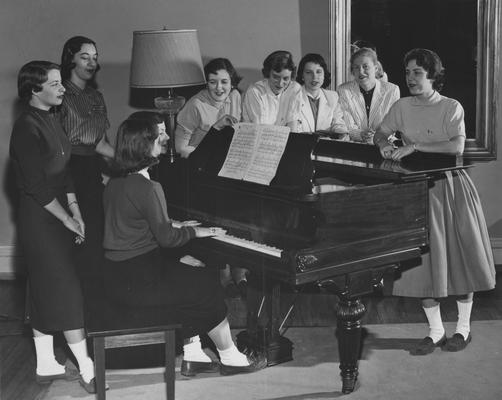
x: 255, y: 152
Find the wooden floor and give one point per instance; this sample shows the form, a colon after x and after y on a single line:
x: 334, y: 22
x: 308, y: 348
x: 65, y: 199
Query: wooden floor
x: 17, y: 356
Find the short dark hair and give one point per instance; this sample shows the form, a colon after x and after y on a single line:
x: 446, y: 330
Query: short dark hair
x: 278, y: 61
x: 217, y: 64
x: 133, y: 147
x: 31, y: 76
x: 151, y: 116
x: 70, y: 48
x: 429, y: 61
x: 317, y: 59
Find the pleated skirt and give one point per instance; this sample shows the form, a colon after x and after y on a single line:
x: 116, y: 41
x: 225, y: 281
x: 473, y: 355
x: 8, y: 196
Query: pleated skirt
x: 460, y: 258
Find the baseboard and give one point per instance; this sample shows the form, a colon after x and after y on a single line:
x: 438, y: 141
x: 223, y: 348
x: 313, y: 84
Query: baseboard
x: 11, y: 265
x: 497, y: 251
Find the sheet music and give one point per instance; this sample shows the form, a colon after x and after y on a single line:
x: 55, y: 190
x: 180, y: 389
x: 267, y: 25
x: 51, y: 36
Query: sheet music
x: 255, y: 152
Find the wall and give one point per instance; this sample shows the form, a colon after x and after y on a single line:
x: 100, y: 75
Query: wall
x: 245, y: 31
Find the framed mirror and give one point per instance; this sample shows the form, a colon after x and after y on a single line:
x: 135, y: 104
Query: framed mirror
x: 465, y: 34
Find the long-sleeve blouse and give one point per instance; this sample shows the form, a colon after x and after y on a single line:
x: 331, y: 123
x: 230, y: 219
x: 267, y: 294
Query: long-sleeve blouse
x: 40, y: 151
x: 136, y: 219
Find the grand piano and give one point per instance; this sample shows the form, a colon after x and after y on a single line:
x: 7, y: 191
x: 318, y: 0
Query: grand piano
x: 335, y: 215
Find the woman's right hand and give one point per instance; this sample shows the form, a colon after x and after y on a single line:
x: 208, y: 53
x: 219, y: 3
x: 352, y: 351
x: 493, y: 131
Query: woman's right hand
x: 226, y: 120
x: 201, y: 232
x: 73, y: 225
x: 386, y: 151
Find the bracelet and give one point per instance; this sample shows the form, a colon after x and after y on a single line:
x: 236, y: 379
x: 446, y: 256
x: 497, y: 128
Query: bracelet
x: 414, y: 147
x: 72, y: 202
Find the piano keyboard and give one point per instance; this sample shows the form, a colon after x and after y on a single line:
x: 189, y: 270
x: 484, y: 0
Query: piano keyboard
x: 239, y: 242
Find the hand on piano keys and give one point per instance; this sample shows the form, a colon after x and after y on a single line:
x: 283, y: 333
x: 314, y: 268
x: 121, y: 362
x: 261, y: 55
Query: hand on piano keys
x: 201, y: 232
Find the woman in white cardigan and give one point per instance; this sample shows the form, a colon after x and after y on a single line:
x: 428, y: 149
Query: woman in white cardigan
x: 366, y: 99
x: 319, y: 110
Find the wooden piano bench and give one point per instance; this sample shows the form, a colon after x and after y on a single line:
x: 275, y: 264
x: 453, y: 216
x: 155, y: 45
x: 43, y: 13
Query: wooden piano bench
x: 111, y: 325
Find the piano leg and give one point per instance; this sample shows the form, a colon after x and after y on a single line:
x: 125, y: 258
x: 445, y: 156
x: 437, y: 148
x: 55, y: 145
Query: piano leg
x: 349, y: 314
x: 265, y: 339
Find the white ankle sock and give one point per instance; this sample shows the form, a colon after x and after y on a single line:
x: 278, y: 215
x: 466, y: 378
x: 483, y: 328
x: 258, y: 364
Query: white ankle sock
x: 85, y: 363
x: 233, y: 357
x: 192, y: 351
x: 46, y: 362
x: 464, y: 318
x: 436, y: 328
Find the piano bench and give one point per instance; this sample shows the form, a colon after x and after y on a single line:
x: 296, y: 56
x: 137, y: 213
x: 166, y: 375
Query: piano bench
x: 112, y: 325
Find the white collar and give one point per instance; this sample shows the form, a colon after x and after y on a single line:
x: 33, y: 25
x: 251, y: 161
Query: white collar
x: 145, y: 173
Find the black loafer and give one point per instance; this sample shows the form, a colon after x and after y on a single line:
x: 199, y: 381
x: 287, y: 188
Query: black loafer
x: 255, y: 364
x: 457, y: 342
x: 91, y: 386
x: 192, y: 368
x: 427, y: 346
x: 68, y: 375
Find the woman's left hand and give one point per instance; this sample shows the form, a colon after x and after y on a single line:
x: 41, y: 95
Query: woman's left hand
x: 81, y: 236
x: 402, y: 152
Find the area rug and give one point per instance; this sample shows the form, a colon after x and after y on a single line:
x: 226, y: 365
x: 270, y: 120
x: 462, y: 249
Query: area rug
x: 386, y: 371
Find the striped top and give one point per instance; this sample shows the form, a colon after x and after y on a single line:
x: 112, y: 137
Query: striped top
x: 84, y: 117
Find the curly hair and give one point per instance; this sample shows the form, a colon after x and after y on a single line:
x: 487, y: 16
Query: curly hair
x: 430, y: 61
x: 217, y: 64
x: 31, y: 76
x: 278, y: 61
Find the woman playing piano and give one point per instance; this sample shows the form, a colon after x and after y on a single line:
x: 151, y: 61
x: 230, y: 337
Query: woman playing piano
x: 320, y: 110
x: 366, y: 99
x: 460, y: 259
x: 142, y: 266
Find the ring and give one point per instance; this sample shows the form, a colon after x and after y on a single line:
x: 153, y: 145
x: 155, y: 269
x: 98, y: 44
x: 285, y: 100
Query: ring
x: 212, y: 230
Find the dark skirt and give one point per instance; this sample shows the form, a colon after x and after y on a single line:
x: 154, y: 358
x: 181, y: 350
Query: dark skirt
x: 55, y: 293
x: 158, y: 281
x: 86, y: 174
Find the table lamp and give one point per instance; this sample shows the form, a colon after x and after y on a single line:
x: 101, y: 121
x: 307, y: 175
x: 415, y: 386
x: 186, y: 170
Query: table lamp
x: 166, y: 59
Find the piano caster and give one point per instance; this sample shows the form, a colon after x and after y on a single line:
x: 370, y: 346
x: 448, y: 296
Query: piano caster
x: 277, y: 351
x: 349, y: 382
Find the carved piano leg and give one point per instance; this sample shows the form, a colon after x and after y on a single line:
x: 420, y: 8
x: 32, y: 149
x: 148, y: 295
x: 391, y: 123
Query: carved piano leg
x: 349, y: 314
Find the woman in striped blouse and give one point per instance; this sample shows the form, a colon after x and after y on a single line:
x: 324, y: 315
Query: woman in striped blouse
x: 84, y: 119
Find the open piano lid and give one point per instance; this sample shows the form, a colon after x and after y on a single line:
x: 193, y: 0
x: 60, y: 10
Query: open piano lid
x: 294, y: 175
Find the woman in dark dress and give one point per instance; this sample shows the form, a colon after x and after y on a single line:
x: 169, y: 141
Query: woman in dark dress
x: 143, y: 268
x: 49, y: 221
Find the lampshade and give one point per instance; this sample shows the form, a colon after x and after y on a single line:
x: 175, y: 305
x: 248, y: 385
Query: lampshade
x: 166, y: 58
